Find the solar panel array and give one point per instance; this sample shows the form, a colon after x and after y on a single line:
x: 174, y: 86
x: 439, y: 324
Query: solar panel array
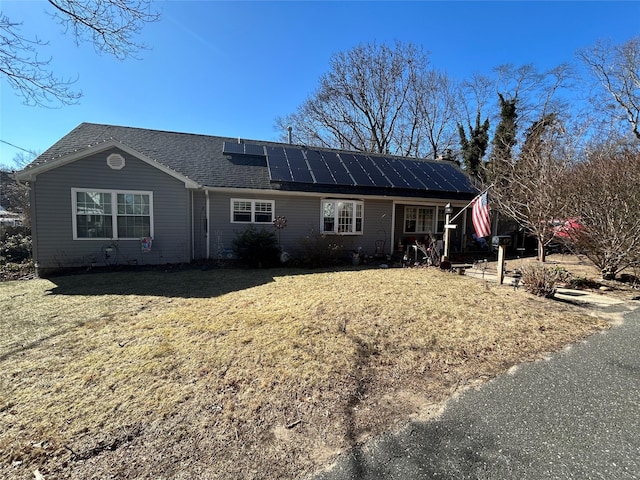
x: 292, y: 164
x: 296, y: 165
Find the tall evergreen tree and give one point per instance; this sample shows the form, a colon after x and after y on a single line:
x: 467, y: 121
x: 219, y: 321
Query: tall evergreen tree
x: 474, y: 148
x: 505, y: 137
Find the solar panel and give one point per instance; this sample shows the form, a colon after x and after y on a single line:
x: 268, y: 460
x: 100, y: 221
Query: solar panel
x: 278, y: 166
x: 337, y: 168
x: 298, y: 165
x: 318, y: 166
x: 376, y: 176
x: 252, y: 149
x: 356, y: 170
x: 388, y: 167
x: 295, y: 156
x: 428, y: 177
x: 414, y: 175
x: 233, y: 148
x: 452, y: 178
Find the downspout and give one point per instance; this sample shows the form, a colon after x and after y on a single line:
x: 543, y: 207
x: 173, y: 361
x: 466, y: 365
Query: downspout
x: 206, y: 233
x: 193, y: 230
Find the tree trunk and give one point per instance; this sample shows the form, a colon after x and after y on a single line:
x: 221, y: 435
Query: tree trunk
x: 541, y: 255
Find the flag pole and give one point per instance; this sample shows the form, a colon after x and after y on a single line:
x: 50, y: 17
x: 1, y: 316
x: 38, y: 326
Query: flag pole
x: 448, y: 221
x: 468, y: 204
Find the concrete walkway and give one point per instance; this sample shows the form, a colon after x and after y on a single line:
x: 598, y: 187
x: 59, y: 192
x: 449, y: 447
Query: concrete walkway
x: 579, y: 297
x: 575, y: 415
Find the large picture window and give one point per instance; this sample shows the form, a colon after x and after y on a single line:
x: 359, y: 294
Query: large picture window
x: 252, y: 211
x: 103, y: 214
x: 418, y: 219
x: 342, y: 216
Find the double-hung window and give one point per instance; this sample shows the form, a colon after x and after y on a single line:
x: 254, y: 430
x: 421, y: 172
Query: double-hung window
x: 105, y: 214
x: 418, y: 219
x: 252, y: 211
x: 342, y: 216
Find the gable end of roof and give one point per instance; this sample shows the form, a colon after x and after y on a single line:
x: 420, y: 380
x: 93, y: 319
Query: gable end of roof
x: 30, y: 173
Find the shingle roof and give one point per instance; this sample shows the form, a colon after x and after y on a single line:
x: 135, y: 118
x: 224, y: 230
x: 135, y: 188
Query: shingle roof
x: 201, y: 159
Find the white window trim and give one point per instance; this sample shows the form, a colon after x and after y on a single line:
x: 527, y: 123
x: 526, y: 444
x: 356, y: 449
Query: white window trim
x: 114, y: 212
x: 253, y: 210
x: 335, y: 231
x: 434, y: 220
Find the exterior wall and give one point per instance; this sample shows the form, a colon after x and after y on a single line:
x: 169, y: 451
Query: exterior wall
x: 54, y: 246
x: 303, y: 214
x: 199, y: 225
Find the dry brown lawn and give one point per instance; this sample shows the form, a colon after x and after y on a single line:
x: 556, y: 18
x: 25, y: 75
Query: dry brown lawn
x: 246, y: 373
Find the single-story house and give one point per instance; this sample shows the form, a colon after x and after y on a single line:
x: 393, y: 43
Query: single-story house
x: 108, y: 194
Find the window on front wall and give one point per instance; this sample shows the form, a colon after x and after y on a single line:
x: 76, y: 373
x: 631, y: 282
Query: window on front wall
x: 342, y: 216
x: 134, y: 215
x: 418, y: 219
x: 102, y: 214
x: 252, y: 211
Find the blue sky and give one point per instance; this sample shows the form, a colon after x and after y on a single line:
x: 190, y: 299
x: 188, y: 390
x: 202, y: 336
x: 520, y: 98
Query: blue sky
x: 230, y: 68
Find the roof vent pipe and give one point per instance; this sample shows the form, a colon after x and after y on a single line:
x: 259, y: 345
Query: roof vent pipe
x: 289, y: 134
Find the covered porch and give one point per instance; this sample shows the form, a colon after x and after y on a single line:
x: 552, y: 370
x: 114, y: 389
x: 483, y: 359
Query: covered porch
x: 424, y: 222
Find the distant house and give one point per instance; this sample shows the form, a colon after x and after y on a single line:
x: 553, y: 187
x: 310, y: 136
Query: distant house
x: 109, y: 194
x: 9, y: 219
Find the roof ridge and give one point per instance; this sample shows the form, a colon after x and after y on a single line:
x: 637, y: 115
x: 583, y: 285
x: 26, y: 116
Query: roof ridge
x: 257, y: 141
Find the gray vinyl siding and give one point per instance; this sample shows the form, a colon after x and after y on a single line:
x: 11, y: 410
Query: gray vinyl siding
x: 52, y: 199
x: 199, y: 226
x: 303, y: 214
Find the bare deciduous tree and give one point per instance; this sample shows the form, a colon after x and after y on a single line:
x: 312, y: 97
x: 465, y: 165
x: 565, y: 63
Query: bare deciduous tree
x: 14, y: 196
x: 379, y: 98
x: 435, y: 108
x: 617, y: 68
x: 535, y: 93
x: 602, y: 197
x: 111, y: 25
x: 360, y: 101
x: 474, y: 97
x: 528, y: 189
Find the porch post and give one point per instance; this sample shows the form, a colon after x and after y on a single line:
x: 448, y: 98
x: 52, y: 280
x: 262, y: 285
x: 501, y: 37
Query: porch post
x: 447, y: 210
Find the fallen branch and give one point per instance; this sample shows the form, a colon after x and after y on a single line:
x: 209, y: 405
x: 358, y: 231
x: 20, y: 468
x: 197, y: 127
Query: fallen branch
x: 297, y: 422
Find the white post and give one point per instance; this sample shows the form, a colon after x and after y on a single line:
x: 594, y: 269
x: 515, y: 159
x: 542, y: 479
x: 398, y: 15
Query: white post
x: 447, y: 220
x: 501, y: 252
x: 446, y: 235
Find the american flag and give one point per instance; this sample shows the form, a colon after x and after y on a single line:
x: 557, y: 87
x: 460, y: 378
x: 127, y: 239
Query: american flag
x: 480, y: 216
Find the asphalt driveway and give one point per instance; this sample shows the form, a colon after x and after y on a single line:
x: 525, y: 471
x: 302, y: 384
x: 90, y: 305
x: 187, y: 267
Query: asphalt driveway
x: 575, y: 415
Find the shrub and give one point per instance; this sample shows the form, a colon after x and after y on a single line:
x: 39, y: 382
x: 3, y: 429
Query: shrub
x: 319, y: 250
x: 15, y: 246
x: 542, y: 280
x: 583, y: 283
x: 14, y: 271
x: 256, y: 248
